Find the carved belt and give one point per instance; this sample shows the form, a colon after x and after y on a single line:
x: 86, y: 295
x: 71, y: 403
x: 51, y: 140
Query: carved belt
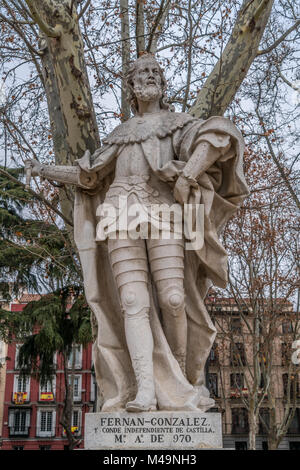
x: 135, y: 179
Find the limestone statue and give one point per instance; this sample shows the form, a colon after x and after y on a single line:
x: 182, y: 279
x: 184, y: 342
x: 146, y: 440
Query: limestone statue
x: 147, y: 293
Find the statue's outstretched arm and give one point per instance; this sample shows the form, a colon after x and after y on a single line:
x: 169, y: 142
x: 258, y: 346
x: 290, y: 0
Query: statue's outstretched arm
x: 62, y: 174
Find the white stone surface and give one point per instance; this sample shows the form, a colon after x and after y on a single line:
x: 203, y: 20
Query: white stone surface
x: 153, y: 430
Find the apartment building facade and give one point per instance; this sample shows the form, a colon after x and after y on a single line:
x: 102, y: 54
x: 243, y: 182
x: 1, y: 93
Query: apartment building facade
x: 230, y: 369
x: 31, y: 410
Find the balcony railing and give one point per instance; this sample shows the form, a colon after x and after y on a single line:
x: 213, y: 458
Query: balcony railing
x: 243, y: 392
x: 237, y: 392
x: 41, y: 432
x: 19, y: 430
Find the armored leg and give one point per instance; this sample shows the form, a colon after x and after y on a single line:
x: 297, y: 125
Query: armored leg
x: 129, y: 264
x: 166, y: 259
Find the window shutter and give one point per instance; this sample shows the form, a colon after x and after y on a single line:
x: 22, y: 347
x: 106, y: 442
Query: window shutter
x: 17, y: 366
x: 38, y: 423
x: 78, y: 361
x: 27, y: 422
x: 79, y: 419
x: 27, y: 385
x: 11, y: 419
x: 53, y: 422
x: 77, y: 350
x: 92, y: 394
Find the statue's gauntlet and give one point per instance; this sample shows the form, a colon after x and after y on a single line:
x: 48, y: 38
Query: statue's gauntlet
x: 194, y: 166
x: 205, y: 154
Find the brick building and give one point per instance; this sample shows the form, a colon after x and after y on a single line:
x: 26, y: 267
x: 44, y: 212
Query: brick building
x: 228, y: 378
x: 31, y: 412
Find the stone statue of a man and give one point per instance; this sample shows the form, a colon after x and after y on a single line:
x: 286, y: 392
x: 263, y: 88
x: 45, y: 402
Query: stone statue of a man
x: 154, y: 333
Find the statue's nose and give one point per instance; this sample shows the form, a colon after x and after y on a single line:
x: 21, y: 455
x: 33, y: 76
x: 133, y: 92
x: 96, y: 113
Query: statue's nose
x: 151, y: 76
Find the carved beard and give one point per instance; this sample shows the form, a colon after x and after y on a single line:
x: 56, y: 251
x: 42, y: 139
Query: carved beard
x: 148, y: 92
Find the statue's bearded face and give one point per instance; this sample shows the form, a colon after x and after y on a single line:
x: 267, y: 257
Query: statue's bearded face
x: 147, y: 81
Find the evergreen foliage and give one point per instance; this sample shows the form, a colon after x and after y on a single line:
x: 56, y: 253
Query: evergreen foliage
x: 47, y: 326
x: 34, y: 253
x: 37, y: 255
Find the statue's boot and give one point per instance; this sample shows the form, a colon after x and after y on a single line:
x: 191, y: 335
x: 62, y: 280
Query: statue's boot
x: 145, y: 399
x: 140, y: 344
x: 181, y: 359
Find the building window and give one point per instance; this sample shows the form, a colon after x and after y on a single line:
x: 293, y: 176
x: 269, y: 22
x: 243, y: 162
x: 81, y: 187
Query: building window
x: 264, y: 420
x: 213, y: 384
x: 77, y: 387
x: 19, y: 422
x: 18, y: 447
x: 46, y: 422
x: 21, y: 392
x: 236, y: 325
x: 245, y: 312
x: 294, y: 427
x: 237, y: 354
x: 292, y: 387
x: 213, y: 355
x: 287, y: 327
x: 239, y: 421
x: 241, y: 445
x: 237, y: 381
x: 47, y: 390
x: 294, y: 445
x: 77, y: 350
x: 237, y: 389
x: 17, y: 357
x: 75, y: 423
x: 45, y: 447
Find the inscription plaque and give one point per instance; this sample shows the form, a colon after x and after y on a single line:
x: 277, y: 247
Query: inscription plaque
x: 157, y: 430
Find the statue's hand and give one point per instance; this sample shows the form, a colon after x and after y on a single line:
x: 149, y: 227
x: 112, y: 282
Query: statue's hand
x: 182, y: 190
x: 33, y: 166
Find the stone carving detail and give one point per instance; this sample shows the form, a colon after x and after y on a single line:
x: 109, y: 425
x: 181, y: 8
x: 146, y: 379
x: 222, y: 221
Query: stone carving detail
x: 147, y: 293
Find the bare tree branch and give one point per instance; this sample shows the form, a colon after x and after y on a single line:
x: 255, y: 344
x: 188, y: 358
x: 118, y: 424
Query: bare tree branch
x: 47, y: 29
x: 38, y: 196
x: 279, y: 40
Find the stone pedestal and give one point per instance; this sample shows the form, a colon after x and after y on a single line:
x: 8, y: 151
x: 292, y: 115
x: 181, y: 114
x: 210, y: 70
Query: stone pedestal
x: 153, y: 430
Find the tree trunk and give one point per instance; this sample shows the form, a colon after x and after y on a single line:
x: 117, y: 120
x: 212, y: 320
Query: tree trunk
x: 253, y: 423
x: 66, y: 417
x: 58, y: 126
x: 140, y: 27
x: 125, y: 106
x: 70, y: 98
x: 272, y: 443
x: 234, y: 63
